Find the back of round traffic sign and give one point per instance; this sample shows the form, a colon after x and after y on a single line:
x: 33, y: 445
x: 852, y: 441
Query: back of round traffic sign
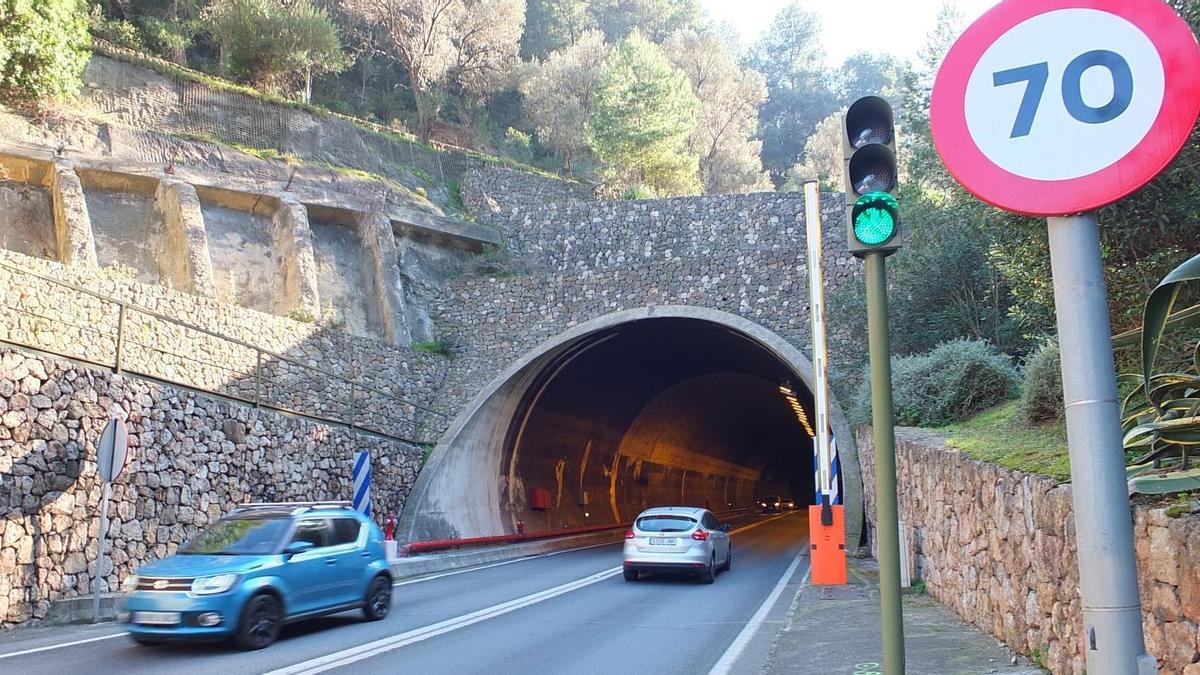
x: 1054, y: 107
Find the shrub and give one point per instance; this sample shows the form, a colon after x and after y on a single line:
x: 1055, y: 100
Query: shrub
x: 117, y: 31
x: 43, y: 48
x: 639, y: 191
x: 949, y: 384
x: 1041, y: 390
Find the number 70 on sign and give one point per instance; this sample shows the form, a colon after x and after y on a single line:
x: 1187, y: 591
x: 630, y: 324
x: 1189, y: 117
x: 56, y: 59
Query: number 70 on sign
x: 1051, y: 108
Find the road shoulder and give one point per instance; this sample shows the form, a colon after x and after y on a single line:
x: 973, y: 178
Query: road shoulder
x: 837, y: 630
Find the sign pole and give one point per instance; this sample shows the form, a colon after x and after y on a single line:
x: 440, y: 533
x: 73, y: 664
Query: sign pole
x: 99, y: 573
x: 887, y: 517
x: 1103, y: 524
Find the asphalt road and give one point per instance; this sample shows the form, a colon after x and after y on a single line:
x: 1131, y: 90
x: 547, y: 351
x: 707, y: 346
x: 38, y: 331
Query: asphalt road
x: 570, y: 612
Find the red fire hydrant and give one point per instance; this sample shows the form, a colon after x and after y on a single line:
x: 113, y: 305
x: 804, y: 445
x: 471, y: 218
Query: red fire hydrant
x: 389, y: 528
x: 520, y: 527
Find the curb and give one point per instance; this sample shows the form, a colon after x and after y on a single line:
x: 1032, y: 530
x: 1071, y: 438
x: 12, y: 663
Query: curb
x: 417, y: 566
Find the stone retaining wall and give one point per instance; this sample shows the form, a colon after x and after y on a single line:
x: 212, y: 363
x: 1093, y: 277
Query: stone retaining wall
x: 998, y: 547
x: 55, y: 318
x: 192, y: 459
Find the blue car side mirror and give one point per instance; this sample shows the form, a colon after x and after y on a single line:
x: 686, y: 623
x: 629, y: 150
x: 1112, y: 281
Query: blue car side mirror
x: 297, y: 547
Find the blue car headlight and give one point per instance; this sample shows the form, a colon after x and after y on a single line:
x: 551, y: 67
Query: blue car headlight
x: 217, y: 583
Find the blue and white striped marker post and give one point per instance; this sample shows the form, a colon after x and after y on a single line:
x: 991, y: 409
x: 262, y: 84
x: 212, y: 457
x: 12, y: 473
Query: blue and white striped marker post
x: 362, y: 483
x: 835, y: 494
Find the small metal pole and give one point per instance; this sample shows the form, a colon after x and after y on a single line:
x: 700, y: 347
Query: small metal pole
x: 99, y: 571
x: 887, y: 517
x: 120, y: 336
x: 1108, y: 582
x: 257, y: 378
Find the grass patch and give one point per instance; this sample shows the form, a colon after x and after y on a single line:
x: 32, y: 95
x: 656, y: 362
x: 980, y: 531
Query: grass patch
x: 995, y: 436
x: 454, y: 191
x: 440, y: 346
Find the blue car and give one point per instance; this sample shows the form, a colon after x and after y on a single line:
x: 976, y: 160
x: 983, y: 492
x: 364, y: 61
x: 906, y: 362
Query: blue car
x: 259, y: 567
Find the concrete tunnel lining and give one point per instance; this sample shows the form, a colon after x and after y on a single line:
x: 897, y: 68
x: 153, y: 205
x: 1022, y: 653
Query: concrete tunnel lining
x: 470, y: 486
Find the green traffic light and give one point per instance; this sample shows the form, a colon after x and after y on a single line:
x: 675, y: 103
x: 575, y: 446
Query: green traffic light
x: 875, y: 216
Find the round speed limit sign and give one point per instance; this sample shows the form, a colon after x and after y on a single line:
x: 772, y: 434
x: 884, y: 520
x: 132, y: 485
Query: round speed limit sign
x: 1054, y: 107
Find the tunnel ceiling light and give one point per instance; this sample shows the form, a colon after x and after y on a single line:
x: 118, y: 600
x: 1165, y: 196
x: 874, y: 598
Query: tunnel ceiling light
x: 785, y: 388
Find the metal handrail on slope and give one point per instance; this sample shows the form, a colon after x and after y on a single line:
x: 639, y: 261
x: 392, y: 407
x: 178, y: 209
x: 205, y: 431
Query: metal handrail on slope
x: 357, y: 389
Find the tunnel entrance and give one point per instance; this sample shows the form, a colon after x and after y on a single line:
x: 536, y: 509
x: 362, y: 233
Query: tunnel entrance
x: 648, y: 407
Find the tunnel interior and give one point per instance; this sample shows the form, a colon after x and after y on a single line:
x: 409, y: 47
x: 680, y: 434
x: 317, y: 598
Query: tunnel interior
x: 654, y: 412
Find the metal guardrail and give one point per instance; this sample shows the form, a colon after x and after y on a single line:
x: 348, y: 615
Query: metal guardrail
x: 362, y: 407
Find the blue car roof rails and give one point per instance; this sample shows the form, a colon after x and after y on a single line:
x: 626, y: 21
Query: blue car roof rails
x: 294, y: 507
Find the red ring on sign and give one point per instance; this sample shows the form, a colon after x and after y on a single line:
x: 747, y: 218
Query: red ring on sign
x: 982, y: 177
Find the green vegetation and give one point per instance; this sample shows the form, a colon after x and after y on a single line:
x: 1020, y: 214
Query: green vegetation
x: 645, y: 113
x: 1041, y: 389
x: 919, y: 588
x: 949, y: 384
x: 1038, y: 655
x: 1000, y: 437
x: 302, y: 315
x: 42, y: 49
x: 1161, y: 416
x: 441, y: 346
x: 275, y: 46
x: 454, y: 193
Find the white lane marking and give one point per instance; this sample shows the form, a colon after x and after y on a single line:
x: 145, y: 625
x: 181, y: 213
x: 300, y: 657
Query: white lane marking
x: 347, y: 656
x: 535, y: 556
x: 371, y: 649
x: 61, y: 645
x: 538, y: 556
x: 743, y: 638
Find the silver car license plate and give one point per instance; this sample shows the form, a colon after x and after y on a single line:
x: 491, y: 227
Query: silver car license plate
x: 662, y: 541
x: 156, y: 618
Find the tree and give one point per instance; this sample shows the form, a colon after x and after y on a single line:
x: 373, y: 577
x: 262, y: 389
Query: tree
x: 276, y: 45
x: 725, y: 137
x: 865, y: 74
x: 822, y: 157
x: 435, y: 39
x: 43, y: 48
x: 645, y: 113
x: 654, y: 19
x: 559, y: 95
x: 551, y: 25
x: 798, y: 92
x: 487, y: 40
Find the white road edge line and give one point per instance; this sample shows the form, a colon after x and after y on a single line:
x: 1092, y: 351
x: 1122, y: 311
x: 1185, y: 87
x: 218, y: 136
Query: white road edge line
x: 347, y: 656
x: 743, y: 638
x: 383, y: 645
x: 64, y: 644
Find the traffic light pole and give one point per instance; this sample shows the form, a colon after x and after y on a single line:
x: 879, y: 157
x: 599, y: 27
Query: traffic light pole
x: 1108, y: 584
x: 886, y: 510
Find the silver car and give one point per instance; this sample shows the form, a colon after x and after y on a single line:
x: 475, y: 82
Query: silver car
x: 677, y: 538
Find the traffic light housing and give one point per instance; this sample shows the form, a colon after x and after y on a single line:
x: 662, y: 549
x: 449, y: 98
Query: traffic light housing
x: 871, y: 177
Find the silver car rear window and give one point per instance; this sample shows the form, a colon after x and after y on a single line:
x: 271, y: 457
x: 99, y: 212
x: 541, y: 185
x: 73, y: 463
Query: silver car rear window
x: 665, y: 524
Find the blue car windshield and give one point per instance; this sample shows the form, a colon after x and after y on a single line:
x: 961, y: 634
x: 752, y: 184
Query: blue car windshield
x: 239, y: 536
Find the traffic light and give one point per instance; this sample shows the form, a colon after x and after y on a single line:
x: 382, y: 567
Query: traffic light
x: 872, y: 176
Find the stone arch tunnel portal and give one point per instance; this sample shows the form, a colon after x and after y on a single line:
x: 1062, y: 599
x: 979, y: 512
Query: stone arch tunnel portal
x: 627, y: 412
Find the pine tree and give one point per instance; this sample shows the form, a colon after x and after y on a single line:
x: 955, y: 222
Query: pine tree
x: 645, y: 112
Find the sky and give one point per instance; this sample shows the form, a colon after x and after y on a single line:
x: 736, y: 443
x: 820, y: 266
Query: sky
x: 906, y: 22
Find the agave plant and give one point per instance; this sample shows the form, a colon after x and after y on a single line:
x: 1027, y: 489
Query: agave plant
x: 1161, y: 416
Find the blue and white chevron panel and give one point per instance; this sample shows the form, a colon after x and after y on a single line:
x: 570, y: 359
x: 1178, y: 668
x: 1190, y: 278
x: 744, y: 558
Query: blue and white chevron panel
x: 362, y: 483
x: 835, y: 492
